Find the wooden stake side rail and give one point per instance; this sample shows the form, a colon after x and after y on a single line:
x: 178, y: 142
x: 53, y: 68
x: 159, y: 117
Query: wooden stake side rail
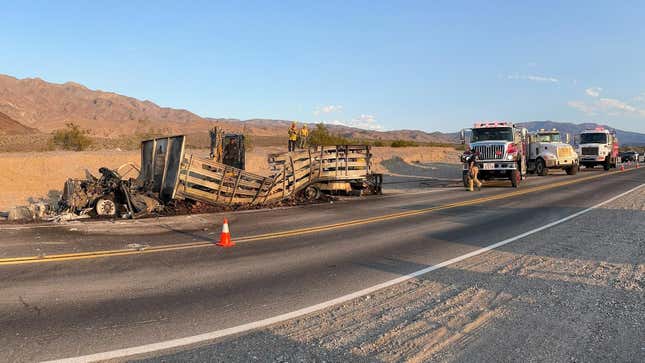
x: 216, y: 183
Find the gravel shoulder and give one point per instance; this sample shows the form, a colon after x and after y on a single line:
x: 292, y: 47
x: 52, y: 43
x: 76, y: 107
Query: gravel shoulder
x: 574, y: 292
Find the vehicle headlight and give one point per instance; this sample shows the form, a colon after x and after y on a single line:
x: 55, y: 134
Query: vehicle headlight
x: 509, y: 157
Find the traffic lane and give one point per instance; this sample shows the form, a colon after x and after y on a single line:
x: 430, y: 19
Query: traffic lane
x: 257, y: 283
x: 206, y: 244
x: 131, y: 234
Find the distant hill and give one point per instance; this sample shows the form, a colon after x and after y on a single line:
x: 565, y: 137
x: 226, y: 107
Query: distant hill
x: 32, y: 103
x: 47, y: 106
x: 624, y: 137
x: 9, y: 126
x: 267, y: 127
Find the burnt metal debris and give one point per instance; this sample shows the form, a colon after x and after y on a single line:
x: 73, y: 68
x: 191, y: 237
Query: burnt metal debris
x: 169, y: 177
x: 110, y: 195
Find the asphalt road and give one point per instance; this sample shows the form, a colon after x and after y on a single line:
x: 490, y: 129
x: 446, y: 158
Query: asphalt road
x: 180, y: 285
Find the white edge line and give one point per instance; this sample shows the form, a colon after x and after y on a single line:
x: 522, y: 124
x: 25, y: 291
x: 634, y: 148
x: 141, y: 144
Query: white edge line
x: 174, y: 343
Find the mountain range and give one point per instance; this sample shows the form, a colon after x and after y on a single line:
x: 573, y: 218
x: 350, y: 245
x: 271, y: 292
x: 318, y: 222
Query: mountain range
x: 32, y: 105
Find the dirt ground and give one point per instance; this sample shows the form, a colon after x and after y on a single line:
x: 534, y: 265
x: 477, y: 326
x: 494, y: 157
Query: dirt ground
x: 573, y: 293
x: 34, y: 176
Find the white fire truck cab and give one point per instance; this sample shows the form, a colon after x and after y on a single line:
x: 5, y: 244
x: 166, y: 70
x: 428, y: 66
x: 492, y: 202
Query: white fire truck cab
x: 547, y: 151
x: 501, y: 149
x: 598, y: 147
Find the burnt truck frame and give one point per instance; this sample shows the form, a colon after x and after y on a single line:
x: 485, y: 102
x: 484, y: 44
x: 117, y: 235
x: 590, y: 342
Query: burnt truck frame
x: 501, y: 148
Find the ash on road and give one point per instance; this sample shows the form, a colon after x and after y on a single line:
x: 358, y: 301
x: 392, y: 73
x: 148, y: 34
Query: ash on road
x: 574, y: 292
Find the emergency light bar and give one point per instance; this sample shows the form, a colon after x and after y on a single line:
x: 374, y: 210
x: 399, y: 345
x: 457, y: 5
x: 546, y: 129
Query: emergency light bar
x: 493, y: 124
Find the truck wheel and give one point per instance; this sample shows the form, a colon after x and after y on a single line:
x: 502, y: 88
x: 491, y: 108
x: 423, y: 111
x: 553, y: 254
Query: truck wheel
x: 516, y: 178
x: 540, y: 168
x: 572, y: 170
x: 607, y: 164
x: 311, y: 193
x: 464, y: 178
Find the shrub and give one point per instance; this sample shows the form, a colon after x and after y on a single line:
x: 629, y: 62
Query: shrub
x: 71, y: 138
x: 320, y: 136
x: 403, y: 143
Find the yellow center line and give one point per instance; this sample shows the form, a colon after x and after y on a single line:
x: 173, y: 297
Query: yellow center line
x: 294, y: 232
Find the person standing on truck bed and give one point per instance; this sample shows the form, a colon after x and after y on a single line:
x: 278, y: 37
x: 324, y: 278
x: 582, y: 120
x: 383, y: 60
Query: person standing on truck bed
x: 293, y: 137
x: 304, y: 134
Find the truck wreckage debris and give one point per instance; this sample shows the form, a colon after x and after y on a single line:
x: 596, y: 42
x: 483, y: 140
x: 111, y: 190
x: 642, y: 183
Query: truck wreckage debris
x: 169, y: 177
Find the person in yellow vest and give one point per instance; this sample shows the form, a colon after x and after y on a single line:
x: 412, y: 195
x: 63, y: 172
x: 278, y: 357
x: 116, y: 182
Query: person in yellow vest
x: 304, y: 135
x: 293, y: 137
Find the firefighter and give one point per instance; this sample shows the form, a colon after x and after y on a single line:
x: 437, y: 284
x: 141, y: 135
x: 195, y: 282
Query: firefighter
x: 293, y: 137
x: 473, y: 170
x: 304, y: 135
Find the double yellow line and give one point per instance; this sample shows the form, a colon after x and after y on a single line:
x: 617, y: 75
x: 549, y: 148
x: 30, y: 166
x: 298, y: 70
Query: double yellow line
x: 290, y: 233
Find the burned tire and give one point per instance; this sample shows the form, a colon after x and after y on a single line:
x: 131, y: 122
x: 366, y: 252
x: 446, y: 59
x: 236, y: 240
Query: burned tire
x: 311, y: 193
x: 516, y: 178
x: 105, y: 207
x: 540, y: 168
x: 572, y: 170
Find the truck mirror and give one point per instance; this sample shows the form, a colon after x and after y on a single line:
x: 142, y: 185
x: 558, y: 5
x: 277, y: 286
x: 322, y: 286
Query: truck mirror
x: 462, y: 136
x: 567, y: 138
x: 524, y: 132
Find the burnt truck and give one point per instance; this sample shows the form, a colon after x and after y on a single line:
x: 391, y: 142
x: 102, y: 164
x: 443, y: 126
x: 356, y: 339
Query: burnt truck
x: 501, y: 149
x: 598, y: 146
x: 547, y: 151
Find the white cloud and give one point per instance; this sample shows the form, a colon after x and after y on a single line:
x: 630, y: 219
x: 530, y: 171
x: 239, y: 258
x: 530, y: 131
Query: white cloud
x: 608, y: 106
x: 328, y: 109
x: 534, y: 78
x: 593, y: 91
x: 367, y: 122
x: 582, y: 107
x: 614, y: 104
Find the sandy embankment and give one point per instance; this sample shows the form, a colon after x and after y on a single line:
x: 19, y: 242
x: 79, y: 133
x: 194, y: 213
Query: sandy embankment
x: 40, y: 175
x: 414, y: 156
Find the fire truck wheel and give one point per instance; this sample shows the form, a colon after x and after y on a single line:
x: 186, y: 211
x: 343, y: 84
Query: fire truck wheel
x: 572, y: 170
x: 516, y: 178
x: 540, y: 168
x: 607, y: 164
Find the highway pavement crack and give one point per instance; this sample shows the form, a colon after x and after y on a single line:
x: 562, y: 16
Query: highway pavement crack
x: 29, y: 306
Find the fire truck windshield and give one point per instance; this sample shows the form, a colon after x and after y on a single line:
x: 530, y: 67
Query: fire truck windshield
x: 548, y: 137
x: 492, y: 134
x: 593, y: 138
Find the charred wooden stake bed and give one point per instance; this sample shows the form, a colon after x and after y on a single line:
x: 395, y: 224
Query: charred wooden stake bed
x: 167, y: 170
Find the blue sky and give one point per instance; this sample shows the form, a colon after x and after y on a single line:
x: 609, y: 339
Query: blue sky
x: 430, y: 65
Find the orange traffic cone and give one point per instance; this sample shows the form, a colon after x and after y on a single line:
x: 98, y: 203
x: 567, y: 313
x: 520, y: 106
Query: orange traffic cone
x: 622, y: 167
x: 225, y: 237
